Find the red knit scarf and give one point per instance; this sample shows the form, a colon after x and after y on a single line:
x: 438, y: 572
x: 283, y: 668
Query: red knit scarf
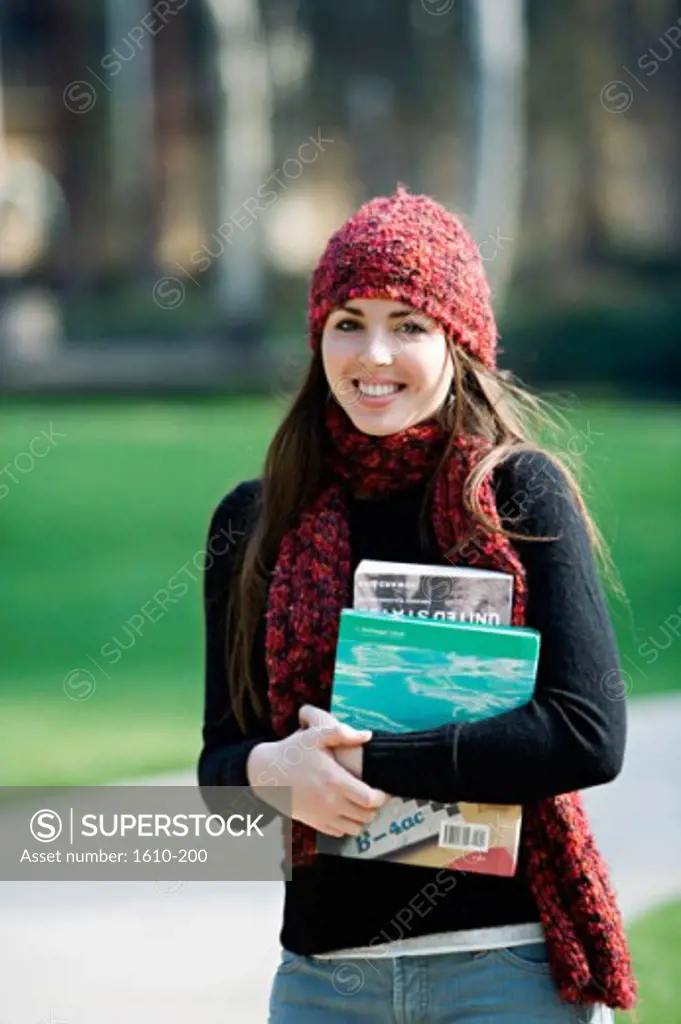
x: 310, y: 585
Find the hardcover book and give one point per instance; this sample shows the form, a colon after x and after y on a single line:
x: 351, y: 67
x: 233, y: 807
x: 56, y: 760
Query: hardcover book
x: 453, y: 664
x: 453, y: 593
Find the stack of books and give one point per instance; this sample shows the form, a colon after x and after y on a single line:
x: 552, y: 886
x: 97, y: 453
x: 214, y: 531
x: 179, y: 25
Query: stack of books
x: 423, y: 646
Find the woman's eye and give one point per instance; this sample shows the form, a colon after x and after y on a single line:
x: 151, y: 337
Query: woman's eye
x: 346, y: 324
x: 411, y: 327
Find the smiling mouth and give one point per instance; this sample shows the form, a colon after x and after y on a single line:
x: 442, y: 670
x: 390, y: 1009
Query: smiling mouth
x: 373, y: 390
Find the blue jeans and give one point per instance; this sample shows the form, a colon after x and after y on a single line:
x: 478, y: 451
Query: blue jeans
x: 509, y: 986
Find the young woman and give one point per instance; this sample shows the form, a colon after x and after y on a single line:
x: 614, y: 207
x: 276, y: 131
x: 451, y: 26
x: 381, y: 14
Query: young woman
x: 406, y: 443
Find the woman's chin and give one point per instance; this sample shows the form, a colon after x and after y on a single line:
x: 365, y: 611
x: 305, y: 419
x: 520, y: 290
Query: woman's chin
x: 382, y: 422
x: 377, y: 424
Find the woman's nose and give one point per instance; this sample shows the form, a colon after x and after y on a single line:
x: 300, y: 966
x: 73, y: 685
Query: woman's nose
x: 380, y: 348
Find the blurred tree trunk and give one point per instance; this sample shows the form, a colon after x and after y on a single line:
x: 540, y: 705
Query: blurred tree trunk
x: 244, y: 166
x: 498, y: 61
x: 674, y: 165
x: 132, y: 134
x: 3, y: 144
x: 596, y: 61
x: 69, y: 52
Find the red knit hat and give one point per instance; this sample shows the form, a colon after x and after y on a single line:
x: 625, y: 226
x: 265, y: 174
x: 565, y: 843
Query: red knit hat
x: 410, y: 248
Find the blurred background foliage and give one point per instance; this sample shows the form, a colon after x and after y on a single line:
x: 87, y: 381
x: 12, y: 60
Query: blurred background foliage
x: 128, y: 143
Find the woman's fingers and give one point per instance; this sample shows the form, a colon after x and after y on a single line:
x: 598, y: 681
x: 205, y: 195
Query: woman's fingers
x: 359, y: 793
x: 332, y: 732
x: 313, y: 716
x: 324, y: 721
x: 351, y: 827
x: 342, y: 826
x: 355, y: 814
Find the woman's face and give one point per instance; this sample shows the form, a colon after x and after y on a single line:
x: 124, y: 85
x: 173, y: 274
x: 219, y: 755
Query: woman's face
x: 387, y: 364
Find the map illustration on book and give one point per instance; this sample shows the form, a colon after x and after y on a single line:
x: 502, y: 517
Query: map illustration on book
x: 398, y: 670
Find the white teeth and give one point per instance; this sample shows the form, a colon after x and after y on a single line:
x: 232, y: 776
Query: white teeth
x: 377, y: 390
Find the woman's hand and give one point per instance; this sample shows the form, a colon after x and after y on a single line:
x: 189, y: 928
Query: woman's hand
x: 324, y: 794
x: 348, y: 752
x: 351, y: 758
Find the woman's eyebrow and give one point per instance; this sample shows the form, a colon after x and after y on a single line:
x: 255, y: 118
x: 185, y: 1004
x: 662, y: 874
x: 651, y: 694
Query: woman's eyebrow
x: 391, y: 316
x: 349, y: 309
x: 401, y: 312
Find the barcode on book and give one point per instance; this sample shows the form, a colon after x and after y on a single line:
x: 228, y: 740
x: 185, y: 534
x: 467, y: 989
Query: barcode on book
x: 464, y: 837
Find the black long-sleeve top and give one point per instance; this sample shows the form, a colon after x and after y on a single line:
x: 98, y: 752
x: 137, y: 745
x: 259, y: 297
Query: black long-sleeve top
x: 569, y: 736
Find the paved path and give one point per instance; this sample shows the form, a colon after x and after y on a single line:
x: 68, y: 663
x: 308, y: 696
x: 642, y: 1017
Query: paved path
x: 113, y: 952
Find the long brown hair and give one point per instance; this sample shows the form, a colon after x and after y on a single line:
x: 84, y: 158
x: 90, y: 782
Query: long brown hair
x: 492, y: 403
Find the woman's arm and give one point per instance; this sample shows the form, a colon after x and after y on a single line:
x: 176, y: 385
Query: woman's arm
x: 572, y: 734
x: 226, y: 747
x: 318, y: 790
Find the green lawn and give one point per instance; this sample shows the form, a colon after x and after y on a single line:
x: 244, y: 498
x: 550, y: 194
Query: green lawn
x: 655, y: 943
x: 120, y: 504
